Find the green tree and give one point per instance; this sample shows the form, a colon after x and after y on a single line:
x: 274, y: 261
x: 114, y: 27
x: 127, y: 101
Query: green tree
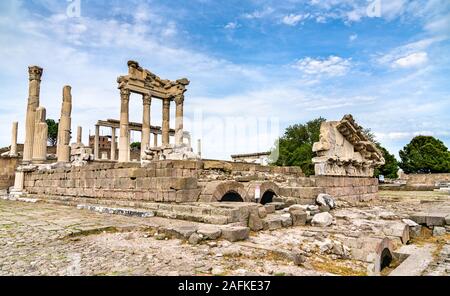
x: 390, y: 168
x: 52, y: 132
x: 425, y: 154
x: 135, y: 146
x: 295, y: 146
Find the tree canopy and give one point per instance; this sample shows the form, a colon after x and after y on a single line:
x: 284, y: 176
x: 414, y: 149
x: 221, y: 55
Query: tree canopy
x: 295, y: 146
x: 390, y: 168
x: 425, y: 154
x: 52, y: 136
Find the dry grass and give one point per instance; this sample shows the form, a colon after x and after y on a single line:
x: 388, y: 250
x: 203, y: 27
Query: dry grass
x: 338, y: 267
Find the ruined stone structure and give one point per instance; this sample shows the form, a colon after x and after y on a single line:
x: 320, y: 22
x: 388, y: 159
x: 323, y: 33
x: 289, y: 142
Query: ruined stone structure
x: 259, y: 158
x: 35, y: 74
x: 64, y: 127
x: 175, y: 182
x: 344, y: 150
x: 150, y: 86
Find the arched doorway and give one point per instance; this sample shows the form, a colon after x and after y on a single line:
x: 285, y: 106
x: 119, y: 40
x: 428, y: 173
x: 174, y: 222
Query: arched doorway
x: 267, y: 197
x: 232, y: 196
x: 385, y: 259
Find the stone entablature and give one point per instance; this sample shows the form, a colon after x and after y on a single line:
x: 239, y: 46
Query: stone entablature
x: 344, y: 150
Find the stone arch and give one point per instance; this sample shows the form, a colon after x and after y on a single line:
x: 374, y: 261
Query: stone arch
x: 232, y: 196
x: 266, y: 187
x: 229, y: 187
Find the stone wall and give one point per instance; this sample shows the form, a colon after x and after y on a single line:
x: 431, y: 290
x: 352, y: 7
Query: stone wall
x: 426, y: 180
x: 352, y: 189
x: 7, y: 171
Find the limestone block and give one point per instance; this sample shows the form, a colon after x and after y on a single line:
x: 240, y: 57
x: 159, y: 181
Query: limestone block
x: 298, y: 217
x: 254, y: 222
x: 235, y: 233
x: 322, y: 219
x: 272, y: 222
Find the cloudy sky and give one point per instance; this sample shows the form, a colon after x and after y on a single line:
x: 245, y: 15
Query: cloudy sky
x: 255, y: 66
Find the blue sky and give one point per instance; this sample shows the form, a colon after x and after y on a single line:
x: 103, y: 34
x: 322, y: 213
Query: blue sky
x: 276, y: 62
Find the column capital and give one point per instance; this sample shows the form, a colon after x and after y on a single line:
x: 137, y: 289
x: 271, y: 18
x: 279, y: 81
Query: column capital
x: 179, y: 99
x: 147, y: 99
x: 35, y: 73
x: 166, y: 102
x: 124, y: 94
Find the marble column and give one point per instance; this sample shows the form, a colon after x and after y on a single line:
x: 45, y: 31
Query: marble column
x: 145, y: 135
x: 97, y: 142
x: 179, y: 101
x: 13, y: 150
x: 155, y: 140
x: 124, y: 146
x: 64, y: 126
x: 165, y: 122
x: 35, y: 74
x: 40, y: 136
x: 18, y: 181
x: 113, y: 143
x: 79, y: 135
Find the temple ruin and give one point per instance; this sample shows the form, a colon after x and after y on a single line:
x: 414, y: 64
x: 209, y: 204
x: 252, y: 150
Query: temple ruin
x: 171, y: 181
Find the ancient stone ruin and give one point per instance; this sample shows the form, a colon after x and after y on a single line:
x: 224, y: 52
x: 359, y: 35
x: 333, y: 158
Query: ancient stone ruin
x: 171, y: 181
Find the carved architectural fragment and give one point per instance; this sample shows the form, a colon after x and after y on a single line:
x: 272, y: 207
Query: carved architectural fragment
x: 344, y: 150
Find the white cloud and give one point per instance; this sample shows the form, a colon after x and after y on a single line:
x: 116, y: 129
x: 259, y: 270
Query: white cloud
x: 331, y: 66
x: 412, y: 60
x: 257, y: 14
x: 293, y: 19
x: 353, y: 37
x: 231, y: 26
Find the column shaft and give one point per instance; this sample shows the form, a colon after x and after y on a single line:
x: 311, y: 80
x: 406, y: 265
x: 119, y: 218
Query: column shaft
x: 155, y: 140
x: 79, y: 135
x: 97, y: 142
x: 165, y: 122
x: 124, y: 148
x: 113, y: 143
x: 13, y: 150
x: 40, y: 136
x: 179, y: 122
x: 145, y: 135
x: 35, y: 74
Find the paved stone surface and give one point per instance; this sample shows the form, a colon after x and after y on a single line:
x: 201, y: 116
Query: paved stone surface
x: 45, y: 239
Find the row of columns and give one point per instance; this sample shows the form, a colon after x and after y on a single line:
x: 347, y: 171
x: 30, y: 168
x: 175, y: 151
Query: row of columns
x: 124, y: 138
x: 113, y: 142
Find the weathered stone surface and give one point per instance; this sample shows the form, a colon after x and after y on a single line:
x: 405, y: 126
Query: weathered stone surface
x: 298, y: 217
x: 195, y: 238
x: 270, y: 209
x: 210, y: 232
x: 397, y: 229
x: 324, y: 199
x: 286, y: 220
x: 262, y: 212
x: 322, y: 219
x: 438, y: 231
x: 429, y: 219
x: 254, y: 222
x: 272, y: 222
x: 235, y: 233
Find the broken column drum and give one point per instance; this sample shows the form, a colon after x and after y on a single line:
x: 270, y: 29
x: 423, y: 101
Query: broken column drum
x: 40, y: 136
x: 64, y: 127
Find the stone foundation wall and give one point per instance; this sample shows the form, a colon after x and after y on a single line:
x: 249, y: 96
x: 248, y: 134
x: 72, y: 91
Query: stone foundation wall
x: 7, y: 171
x: 161, y: 182
x: 426, y: 180
x: 352, y: 189
x: 177, y: 181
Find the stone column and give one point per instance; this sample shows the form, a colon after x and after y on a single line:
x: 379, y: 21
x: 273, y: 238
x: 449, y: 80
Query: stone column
x: 155, y: 140
x: 113, y: 143
x: 18, y: 181
x: 40, y: 136
x: 199, y: 147
x: 35, y: 74
x: 97, y: 142
x: 79, y: 135
x: 145, y: 135
x: 124, y: 147
x: 179, y: 101
x: 165, y: 122
x: 13, y: 150
x: 64, y: 126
